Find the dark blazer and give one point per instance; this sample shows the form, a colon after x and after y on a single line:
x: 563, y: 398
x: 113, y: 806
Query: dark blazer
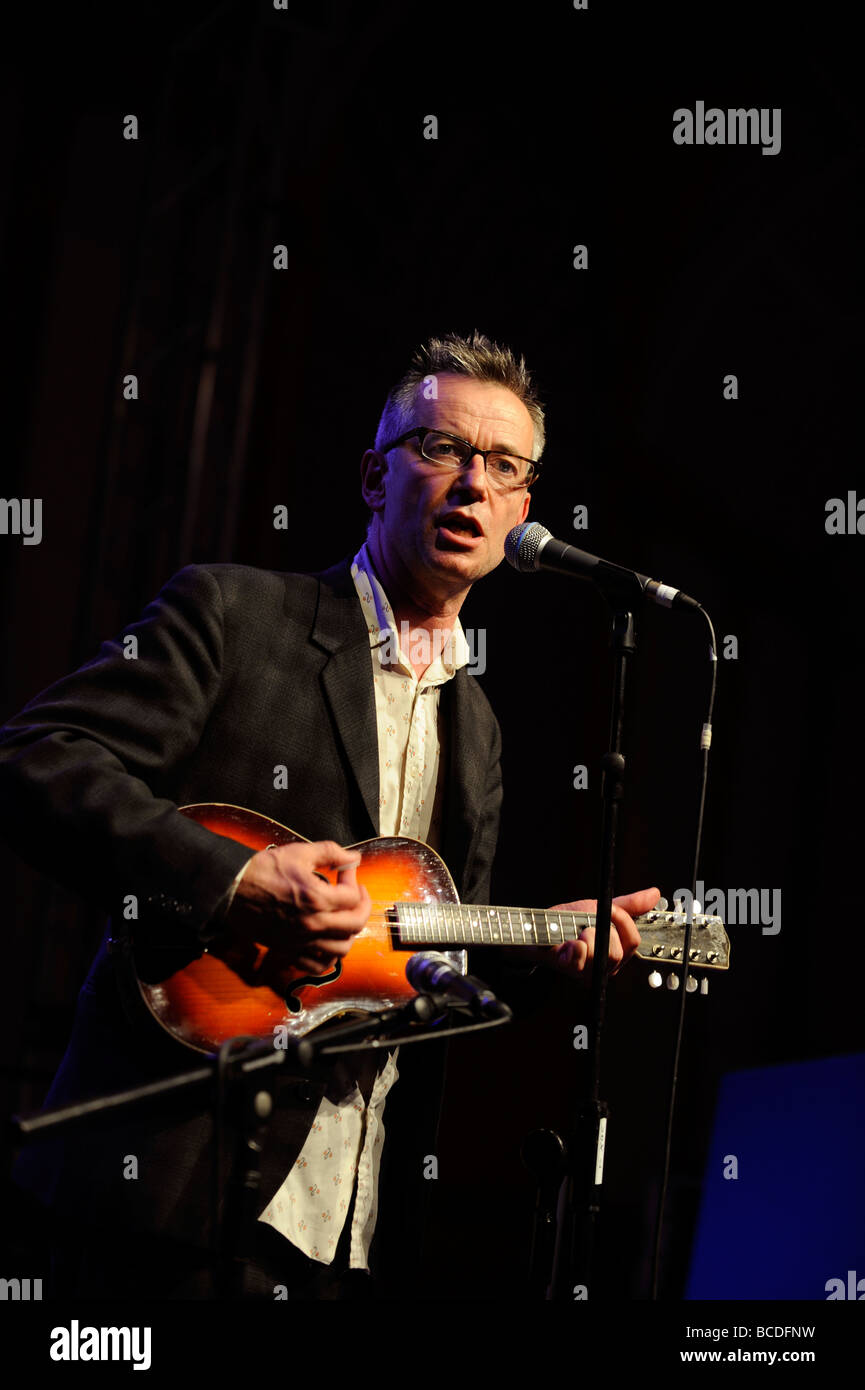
x: 234, y: 672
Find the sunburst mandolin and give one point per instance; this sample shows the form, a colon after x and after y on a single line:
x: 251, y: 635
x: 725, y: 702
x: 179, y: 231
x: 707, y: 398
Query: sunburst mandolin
x: 227, y: 990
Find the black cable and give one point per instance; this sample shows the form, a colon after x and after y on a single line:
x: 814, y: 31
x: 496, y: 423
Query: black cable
x: 705, y: 744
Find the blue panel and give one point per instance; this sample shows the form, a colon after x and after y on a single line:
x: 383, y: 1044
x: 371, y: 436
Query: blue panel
x: 795, y: 1215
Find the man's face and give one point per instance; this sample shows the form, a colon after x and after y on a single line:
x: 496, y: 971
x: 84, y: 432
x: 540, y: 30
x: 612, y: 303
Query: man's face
x: 440, y: 531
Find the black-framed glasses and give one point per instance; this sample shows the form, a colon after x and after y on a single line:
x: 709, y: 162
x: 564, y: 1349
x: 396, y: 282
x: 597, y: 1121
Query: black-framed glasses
x: 505, y: 471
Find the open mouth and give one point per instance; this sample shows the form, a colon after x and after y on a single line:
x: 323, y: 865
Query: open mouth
x: 463, y: 526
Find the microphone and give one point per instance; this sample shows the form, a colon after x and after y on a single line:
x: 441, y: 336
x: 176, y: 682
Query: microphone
x: 432, y: 971
x: 532, y: 547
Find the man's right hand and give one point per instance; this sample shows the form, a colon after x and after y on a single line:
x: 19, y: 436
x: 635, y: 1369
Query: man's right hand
x: 306, y: 922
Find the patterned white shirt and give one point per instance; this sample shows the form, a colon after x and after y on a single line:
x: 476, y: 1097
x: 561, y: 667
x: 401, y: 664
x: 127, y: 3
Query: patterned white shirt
x: 345, y: 1142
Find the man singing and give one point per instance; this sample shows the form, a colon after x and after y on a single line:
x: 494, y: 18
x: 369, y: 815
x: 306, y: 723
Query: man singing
x: 353, y: 685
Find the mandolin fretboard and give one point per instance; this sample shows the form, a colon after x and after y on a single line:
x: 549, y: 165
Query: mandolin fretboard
x: 465, y: 925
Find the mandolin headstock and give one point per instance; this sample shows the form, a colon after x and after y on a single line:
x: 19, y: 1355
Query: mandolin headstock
x: 662, y: 933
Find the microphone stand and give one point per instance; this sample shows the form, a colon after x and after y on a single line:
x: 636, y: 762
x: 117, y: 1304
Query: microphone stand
x: 574, y: 1257
x: 240, y: 1080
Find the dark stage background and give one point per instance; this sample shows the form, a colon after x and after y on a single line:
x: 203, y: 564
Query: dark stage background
x: 260, y: 387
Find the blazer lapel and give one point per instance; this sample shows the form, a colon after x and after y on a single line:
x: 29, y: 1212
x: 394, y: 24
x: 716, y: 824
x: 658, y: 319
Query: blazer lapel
x: 465, y: 788
x: 340, y: 629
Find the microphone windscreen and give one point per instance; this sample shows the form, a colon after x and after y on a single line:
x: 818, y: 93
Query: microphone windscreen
x: 523, y: 543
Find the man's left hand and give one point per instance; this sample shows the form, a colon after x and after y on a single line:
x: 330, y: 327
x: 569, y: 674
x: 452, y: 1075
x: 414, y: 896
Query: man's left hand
x: 575, y: 957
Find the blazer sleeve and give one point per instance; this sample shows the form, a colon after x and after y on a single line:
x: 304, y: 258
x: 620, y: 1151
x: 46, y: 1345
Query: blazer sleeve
x: 86, y: 770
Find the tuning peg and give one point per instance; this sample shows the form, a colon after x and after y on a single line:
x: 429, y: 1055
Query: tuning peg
x: 672, y: 981
x: 655, y: 980
x: 691, y: 984
x: 704, y: 985
x: 698, y: 908
x: 661, y: 905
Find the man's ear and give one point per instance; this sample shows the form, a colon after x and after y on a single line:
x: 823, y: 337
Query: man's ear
x: 373, y: 468
x: 525, y: 511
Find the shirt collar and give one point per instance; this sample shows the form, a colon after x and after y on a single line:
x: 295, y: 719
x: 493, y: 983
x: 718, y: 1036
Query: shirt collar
x: 381, y: 626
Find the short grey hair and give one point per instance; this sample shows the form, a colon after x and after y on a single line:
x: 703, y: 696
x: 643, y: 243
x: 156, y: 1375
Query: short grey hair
x: 476, y: 357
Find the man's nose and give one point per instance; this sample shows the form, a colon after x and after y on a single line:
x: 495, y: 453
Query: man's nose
x: 472, y: 477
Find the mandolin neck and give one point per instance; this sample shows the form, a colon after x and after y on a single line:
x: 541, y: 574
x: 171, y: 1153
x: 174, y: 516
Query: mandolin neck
x: 464, y: 924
